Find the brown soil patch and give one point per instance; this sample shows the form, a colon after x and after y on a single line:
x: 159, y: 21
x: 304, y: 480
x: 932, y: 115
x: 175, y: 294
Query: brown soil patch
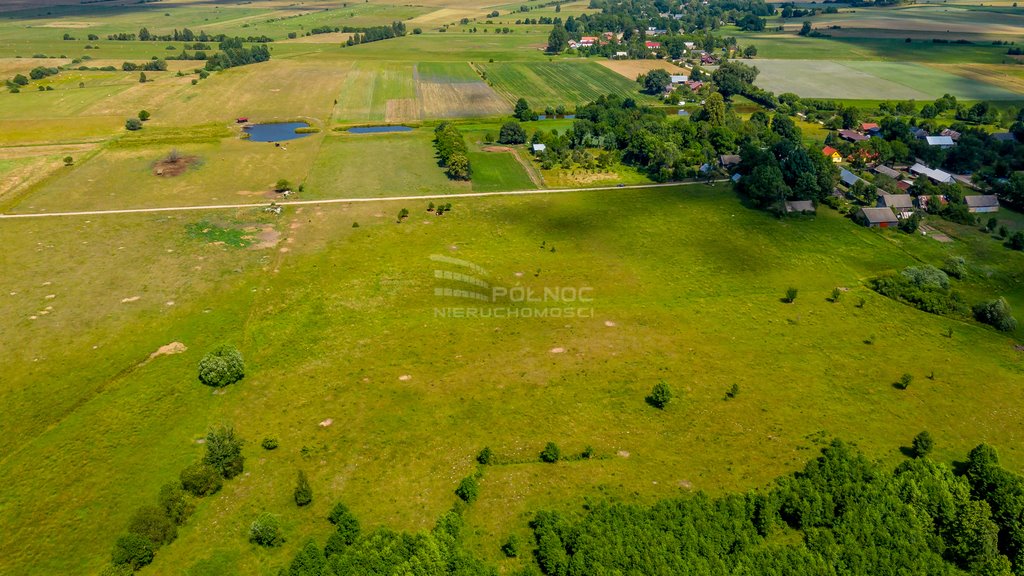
x: 496, y: 149
x: 268, y: 237
x: 171, y: 168
x: 630, y: 69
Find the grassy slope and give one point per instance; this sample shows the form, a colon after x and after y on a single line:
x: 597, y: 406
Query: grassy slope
x: 690, y: 278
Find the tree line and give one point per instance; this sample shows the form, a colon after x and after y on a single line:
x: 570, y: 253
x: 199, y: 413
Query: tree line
x: 374, y: 33
x: 185, y: 35
x: 452, y: 152
x: 233, y: 53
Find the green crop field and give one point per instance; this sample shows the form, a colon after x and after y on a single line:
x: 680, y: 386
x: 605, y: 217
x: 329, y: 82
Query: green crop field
x: 874, y: 80
x: 562, y: 82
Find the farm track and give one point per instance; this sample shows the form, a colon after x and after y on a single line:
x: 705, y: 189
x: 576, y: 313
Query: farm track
x: 348, y: 200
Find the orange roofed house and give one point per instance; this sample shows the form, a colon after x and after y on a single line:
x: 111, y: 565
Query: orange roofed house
x: 832, y: 154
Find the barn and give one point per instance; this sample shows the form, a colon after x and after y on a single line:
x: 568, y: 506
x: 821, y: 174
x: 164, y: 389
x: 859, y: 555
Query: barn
x: 877, y: 217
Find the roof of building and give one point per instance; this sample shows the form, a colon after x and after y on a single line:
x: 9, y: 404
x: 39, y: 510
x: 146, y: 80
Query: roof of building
x: 736, y: 177
x: 886, y: 171
x: 828, y: 151
x: 679, y: 78
x: 1003, y: 136
x: 896, y: 200
x: 869, y: 126
x: 539, y: 147
x: 682, y: 112
x: 939, y: 141
x: 848, y: 178
x: 799, y: 206
x: 951, y: 133
x: 981, y: 200
x: 729, y: 159
x: 937, y: 175
x: 879, y: 215
x: 852, y: 135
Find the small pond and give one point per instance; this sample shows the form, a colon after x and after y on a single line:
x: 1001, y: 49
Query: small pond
x: 378, y: 129
x: 276, y: 132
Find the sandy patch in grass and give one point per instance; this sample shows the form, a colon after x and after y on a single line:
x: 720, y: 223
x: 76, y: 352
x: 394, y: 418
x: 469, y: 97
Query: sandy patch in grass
x: 171, y: 167
x: 558, y: 350
x: 496, y: 149
x: 326, y: 423
x: 405, y: 377
x: 630, y: 69
x: 130, y: 299
x: 268, y: 237
x: 65, y: 24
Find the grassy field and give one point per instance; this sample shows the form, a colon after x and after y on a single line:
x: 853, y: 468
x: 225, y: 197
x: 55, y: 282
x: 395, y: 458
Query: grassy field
x: 876, y: 80
x: 329, y: 326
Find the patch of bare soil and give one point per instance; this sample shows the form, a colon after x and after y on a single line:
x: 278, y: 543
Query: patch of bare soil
x: 268, y: 237
x: 496, y: 149
x: 171, y: 167
x: 168, y: 349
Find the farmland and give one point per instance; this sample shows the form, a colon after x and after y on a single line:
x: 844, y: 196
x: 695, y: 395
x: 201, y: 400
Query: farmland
x: 334, y: 290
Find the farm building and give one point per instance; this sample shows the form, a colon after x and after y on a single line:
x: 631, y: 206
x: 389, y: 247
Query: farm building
x: 729, y: 160
x: 940, y: 141
x: 1002, y: 136
x: 904, y: 185
x: 870, y: 128
x: 538, y: 148
x: 652, y: 45
x: 694, y: 85
x: 877, y: 217
x: 980, y: 203
x: 920, y: 133
x: 848, y: 178
x: 832, y: 154
x: 937, y: 176
x: 799, y: 206
x: 901, y: 204
x: 852, y: 136
x: 886, y: 171
x: 951, y: 133
x: 679, y: 78
x: 621, y: 55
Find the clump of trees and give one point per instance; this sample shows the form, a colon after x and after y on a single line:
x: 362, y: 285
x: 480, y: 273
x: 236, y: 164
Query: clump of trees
x: 996, y: 313
x: 374, y: 33
x: 234, y: 53
x: 133, y: 124
x: 523, y: 112
x: 452, y: 151
x: 221, y: 366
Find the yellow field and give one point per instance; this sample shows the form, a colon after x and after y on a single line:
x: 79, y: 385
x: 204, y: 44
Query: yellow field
x: 1010, y: 77
x: 633, y: 68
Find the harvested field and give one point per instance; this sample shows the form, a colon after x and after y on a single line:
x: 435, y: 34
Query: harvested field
x: 630, y: 69
x: 454, y: 100
x: 402, y: 110
x: 445, y: 16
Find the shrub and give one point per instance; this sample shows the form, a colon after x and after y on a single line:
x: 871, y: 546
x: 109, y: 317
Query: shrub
x: 144, y: 115
x: 486, y: 456
x: 269, y: 444
x: 221, y: 366
x: 905, y: 381
x: 587, y: 453
x: 303, y: 491
x: 266, y: 531
x: 660, y: 395
x: 511, y: 547
x: 68, y: 161
x: 132, y: 550
x: 922, y: 444
x: 733, y: 391
x: 201, y: 480
x: 955, y: 266
x: 996, y: 313
x: 133, y: 124
x: 175, y: 503
x: 468, y: 489
x: 836, y: 294
x: 934, y: 299
x: 346, y: 524
x: 791, y: 295
x: 1016, y: 242
x: 282, y: 185
x: 224, y: 452
x: 153, y: 524
x: 551, y: 453
x: 926, y: 277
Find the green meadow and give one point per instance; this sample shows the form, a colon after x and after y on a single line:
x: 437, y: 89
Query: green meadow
x: 339, y: 322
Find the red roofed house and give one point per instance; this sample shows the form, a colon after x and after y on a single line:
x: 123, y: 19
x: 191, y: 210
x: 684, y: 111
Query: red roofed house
x: 869, y: 127
x: 588, y: 41
x: 832, y: 154
x: 652, y: 45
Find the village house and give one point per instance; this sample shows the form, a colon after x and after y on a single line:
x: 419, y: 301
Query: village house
x: 728, y: 161
x: 877, y: 217
x: 982, y: 203
x: 901, y: 204
x: 848, y: 178
x: 679, y: 79
x: 936, y: 176
x: 886, y: 171
x: 852, y: 136
x: 538, y: 148
x: 951, y: 133
x: 652, y: 45
x: 870, y: 128
x: 832, y: 154
x: 940, y: 141
x: 694, y: 85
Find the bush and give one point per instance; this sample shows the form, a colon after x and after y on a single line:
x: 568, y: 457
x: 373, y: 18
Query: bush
x: 955, y: 266
x: 282, y: 185
x: 132, y: 550
x: 905, y: 381
x: 266, y: 531
x: 153, y: 524
x: 922, y: 444
x: 221, y: 366
x: 551, y: 453
x: 660, y: 395
x: 201, y: 480
x: 468, y: 489
x: 303, y: 491
x: 512, y: 133
x: 511, y: 547
x: 486, y: 456
x: 133, y: 124
x: 175, y: 503
x: 996, y: 313
x: 269, y: 444
x: 224, y: 452
x: 934, y: 300
x: 346, y: 524
x: 1016, y: 242
x: 144, y: 115
x: 926, y: 277
x: 791, y: 295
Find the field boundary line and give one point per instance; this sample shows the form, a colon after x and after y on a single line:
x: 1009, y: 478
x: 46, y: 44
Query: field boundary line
x: 352, y: 200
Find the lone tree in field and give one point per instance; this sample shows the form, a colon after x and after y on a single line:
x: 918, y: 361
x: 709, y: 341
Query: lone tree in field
x: 221, y: 366
x: 133, y: 124
x: 922, y: 444
x: 660, y: 395
x: 144, y: 115
x: 224, y: 452
x: 266, y: 531
x: 69, y: 161
x: 282, y: 185
x: 656, y: 81
x: 512, y: 133
x: 791, y: 295
x: 303, y: 491
x: 551, y: 453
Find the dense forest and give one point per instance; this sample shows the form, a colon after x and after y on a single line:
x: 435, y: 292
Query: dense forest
x: 841, y: 515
